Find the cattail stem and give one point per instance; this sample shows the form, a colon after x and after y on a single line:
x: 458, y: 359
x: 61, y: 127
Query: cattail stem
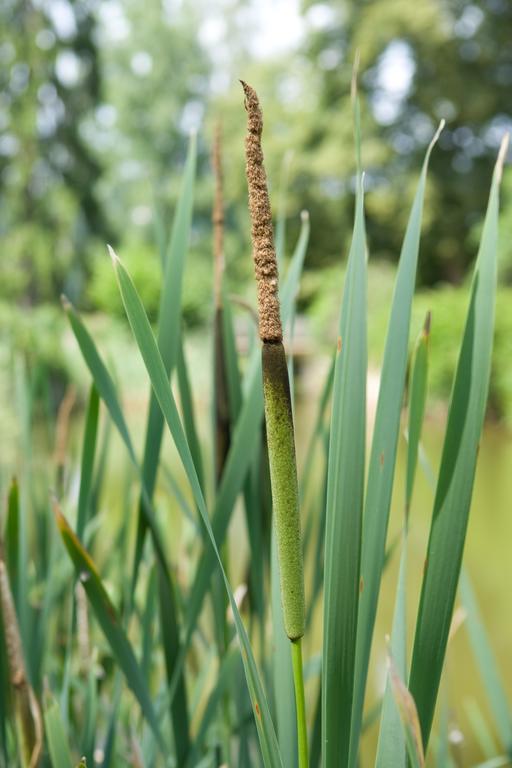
x: 300, y: 703
x: 278, y: 409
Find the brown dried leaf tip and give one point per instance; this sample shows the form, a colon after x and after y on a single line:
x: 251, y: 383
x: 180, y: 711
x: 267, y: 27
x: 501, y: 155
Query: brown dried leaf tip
x: 264, y: 255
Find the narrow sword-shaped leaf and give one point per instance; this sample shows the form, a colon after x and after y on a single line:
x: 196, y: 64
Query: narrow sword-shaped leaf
x: 417, y: 402
x: 383, y: 451
x: 391, y: 748
x: 169, y: 331
x: 457, y: 471
x: 87, y: 467
x: 251, y: 486
x: 281, y: 210
x: 169, y: 344
x: 503, y: 761
x: 187, y: 410
x: 170, y: 629
x: 291, y: 284
x: 224, y: 680
x: 108, y: 620
x: 58, y: 746
x: 12, y: 534
x: 150, y: 354
x: 480, y: 729
x: 345, y: 487
x: 108, y: 394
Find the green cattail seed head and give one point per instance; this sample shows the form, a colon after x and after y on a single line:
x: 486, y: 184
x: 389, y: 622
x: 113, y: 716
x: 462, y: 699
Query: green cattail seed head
x: 283, y: 478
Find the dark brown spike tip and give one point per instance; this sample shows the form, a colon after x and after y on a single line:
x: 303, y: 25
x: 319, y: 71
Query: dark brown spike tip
x: 264, y: 255
x: 252, y: 106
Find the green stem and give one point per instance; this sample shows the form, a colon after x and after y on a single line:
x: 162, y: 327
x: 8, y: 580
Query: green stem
x: 300, y: 703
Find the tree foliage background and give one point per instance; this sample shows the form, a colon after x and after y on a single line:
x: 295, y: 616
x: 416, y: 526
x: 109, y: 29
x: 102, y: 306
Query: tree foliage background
x: 97, y: 100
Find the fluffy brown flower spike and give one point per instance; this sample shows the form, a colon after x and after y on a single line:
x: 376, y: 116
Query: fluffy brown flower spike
x: 264, y: 255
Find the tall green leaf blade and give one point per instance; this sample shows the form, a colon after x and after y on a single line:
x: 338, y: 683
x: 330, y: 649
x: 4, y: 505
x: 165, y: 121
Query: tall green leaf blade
x: 224, y: 681
x: 294, y: 273
x: 58, y: 746
x: 187, y: 410
x: 281, y: 209
x: 169, y: 332
x: 87, y: 466
x: 317, y: 432
x: 107, y: 391
x: 232, y: 370
x: 169, y: 344
x: 251, y: 485
x: 383, y: 452
x: 345, y: 488
x: 291, y: 285
x: 109, y: 622
x: 23, y: 499
x: 480, y: 729
x: 169, y: 621
x: 237, y: 464
x: 150, y: 354
x: 12, y: 539
x: 487, y: 664
x: 417, y: 402
x: 102, y: 379
x: 457, y: 470
x: 391, y: 748
x: 503, y: 761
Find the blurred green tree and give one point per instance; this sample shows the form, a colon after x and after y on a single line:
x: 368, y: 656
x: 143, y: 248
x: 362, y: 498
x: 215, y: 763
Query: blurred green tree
x: 49, y: 83
x: 155, y: 88
x: 155, y: 78
x: 420, y: 62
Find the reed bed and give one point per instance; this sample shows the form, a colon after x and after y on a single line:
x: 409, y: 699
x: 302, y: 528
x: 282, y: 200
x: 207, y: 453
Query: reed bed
x: 150, y: 656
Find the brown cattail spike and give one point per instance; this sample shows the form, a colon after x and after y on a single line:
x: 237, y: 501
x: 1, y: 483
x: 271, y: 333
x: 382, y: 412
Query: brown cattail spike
x: 218, y: 218
x: 264, y: 255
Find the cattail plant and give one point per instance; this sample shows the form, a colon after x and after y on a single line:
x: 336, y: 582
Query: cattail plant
x: 148, y: 615
x: 278, y: 410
